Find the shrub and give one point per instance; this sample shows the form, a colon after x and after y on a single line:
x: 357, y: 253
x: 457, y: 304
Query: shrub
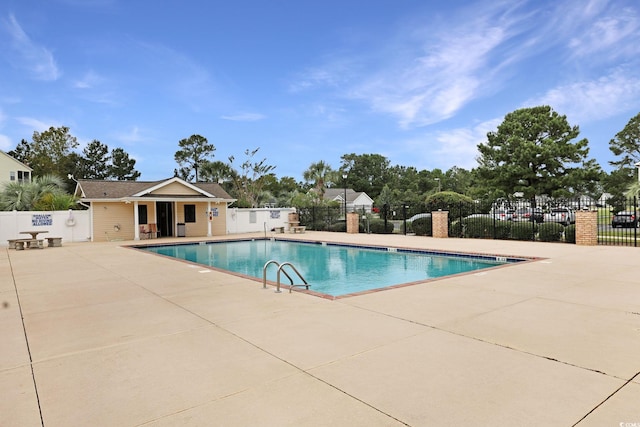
x: 377, y: 226
x: 570, y: 234
x: 340, y: 226
x: 550, y: 232
x: 457, y: 204
x: 523, y: 230
x: 422, y: 226
x: 455, y: 228
x: 485, y: 228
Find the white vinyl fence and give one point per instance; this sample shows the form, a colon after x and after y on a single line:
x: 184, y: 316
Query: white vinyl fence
x: 252, y: 220
x: 72, y: 226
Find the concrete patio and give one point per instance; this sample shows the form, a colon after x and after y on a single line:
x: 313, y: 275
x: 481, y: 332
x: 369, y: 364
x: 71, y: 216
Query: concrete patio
x: 98, y: 334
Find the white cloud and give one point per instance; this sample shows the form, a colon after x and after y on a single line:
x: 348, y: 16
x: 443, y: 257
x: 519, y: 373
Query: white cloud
x: 244, y: 117
x: 617, y: 33
x: 438, y: 81
x: 133, y: 135
x: 36, y: 59
x: 451, y: 147
x: 35, y: 125
x: 459, y: 146
x: 430, y: 69
x: 5, y: 143
x: 88, y: 81
x: 592, y: 100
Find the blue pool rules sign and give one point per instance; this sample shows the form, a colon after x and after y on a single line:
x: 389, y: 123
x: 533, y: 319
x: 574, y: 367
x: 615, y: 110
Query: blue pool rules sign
x: 41, y: 220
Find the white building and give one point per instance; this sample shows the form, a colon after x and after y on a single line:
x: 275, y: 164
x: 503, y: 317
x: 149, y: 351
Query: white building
x: 11, y: 170
x: 355, y: 200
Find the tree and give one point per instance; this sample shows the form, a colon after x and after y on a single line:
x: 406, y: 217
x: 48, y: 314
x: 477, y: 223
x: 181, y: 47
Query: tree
x: 248, y: 182
x: 216, y: 171
x: 457, y: 179
x: 366, y: 172
x: 122, y: 167
x: 320, y: 174
x: 626, y: 143
x: 48, y: 151
x: 95, y: 161
x: 22, y: 152
x: 194, y: 152
x: 531, y: 153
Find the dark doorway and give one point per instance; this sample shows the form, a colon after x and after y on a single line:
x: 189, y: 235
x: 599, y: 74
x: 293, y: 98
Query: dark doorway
x: 165, y: 218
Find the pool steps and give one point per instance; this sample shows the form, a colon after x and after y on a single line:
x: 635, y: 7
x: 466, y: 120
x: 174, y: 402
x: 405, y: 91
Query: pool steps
x: 281, y: 269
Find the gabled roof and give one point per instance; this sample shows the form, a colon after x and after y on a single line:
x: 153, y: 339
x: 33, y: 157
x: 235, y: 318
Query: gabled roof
x: 144, y: 190
x: 338, y: 194
x: 2, y: 153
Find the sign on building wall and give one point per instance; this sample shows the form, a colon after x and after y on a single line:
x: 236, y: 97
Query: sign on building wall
x: 213, y: 212
x: 275, y: 214
x: 41, y: 220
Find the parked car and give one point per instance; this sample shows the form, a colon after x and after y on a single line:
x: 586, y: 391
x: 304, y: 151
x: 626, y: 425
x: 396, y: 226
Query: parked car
x: 504, y: 214
x: 417, y: 216
x: 624, y: 219
x: 529, y: 214
x: 478, y: 215
x: 564, y: 216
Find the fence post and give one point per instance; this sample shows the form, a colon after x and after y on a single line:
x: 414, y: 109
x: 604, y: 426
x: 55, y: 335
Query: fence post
x: 440, y: 223
x: 404, y: 217
x: 353, y: 222
x: 587, y: 228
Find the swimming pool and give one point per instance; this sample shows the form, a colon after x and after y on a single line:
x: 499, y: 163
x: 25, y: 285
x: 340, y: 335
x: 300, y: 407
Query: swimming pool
x: 331, y: 269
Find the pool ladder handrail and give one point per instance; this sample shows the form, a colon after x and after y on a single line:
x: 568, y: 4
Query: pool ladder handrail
x: 280, y: 269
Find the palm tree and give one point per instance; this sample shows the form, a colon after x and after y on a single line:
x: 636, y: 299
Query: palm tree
x: 633, y: 190
x: 320, y: 174
x: 43, y: 193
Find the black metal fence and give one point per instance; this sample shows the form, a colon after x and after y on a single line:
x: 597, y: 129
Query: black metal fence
x: 618, y: 223
x: 546, y: 219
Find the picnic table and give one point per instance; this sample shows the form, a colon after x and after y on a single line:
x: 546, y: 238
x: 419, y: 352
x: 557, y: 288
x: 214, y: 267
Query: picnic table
x: 34, y: 242
x: 34, y: 234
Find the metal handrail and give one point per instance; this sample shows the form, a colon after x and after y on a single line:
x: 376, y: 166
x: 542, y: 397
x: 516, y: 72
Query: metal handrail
x: 264, y: 273
x: 280, y: 269
x: 306, y: 285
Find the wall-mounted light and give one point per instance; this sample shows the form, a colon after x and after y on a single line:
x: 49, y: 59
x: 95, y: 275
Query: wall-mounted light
x: 116, y: 227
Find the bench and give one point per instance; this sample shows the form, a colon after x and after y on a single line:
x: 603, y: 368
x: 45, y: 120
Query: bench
x: 54, y: 242
x: 298, y: 229
x: 279, y: 230
x: 21, y: 244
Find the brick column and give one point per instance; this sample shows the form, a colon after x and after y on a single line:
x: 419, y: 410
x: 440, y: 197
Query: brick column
x: 353, y: 222
x: 440, y: 223
x: 587, y: 228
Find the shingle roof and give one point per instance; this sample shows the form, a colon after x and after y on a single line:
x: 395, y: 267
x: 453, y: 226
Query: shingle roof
x: 100, y: 189
x: 332, y: 193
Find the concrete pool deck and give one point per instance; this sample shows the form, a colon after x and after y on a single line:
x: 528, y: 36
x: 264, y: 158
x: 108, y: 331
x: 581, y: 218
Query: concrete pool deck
x: 97, y: 334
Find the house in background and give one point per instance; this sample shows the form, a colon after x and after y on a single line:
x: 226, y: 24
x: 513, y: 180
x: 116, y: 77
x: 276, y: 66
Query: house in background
x: 131, y: 210
x: 12, y: 170
x: 355, y: 200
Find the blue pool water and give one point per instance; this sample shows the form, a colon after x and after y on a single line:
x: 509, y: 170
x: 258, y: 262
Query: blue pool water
x: 330, y: 269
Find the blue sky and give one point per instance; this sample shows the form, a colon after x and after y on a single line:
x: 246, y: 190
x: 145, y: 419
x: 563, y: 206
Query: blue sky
x: 419, y: 82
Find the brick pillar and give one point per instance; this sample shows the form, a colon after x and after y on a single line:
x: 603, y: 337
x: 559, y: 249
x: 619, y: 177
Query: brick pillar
x: 294, y: 219
x: 587, y: 228
x: 440, y: 223
x: 353, y: 222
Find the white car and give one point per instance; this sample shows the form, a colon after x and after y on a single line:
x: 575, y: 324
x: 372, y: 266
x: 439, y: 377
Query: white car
x: 504, y: 214
x: 564, y: 216
x: 420, y: 215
